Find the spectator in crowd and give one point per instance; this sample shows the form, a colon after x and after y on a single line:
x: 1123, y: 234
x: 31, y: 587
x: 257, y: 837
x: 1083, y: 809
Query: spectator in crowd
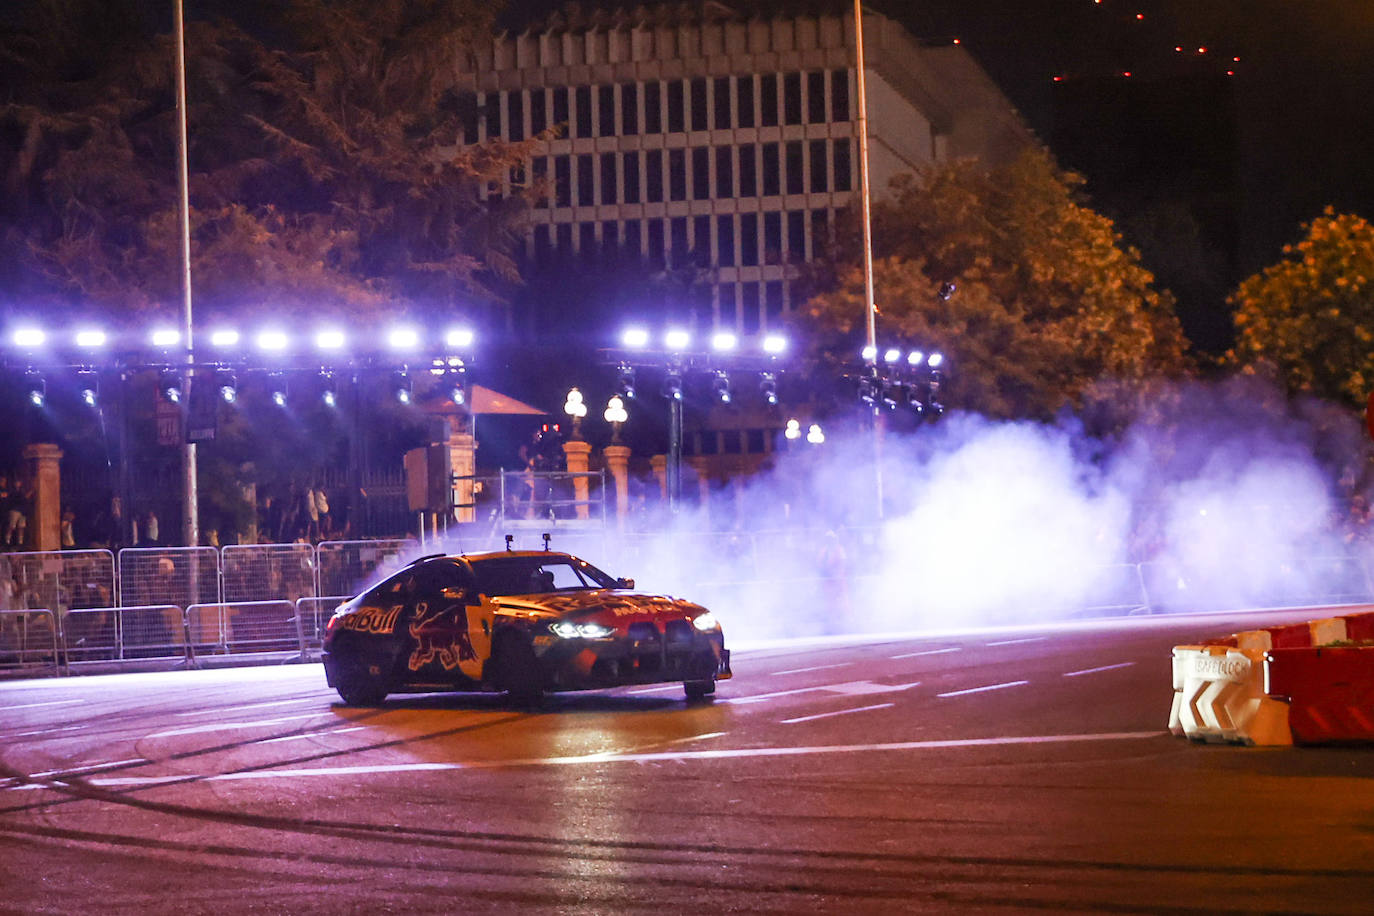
x: 68, y: 528
x: 16, y: 523
x: 152, y: 537
x: 322, y: 519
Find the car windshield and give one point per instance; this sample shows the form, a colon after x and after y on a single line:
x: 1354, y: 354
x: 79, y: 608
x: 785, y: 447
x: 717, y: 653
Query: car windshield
x: 533, y: 575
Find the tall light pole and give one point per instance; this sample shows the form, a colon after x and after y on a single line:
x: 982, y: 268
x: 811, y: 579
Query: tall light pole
x: 865, y: 205
x: 190, y: 512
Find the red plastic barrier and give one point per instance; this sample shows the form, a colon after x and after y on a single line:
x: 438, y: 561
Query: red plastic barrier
x: 1331, y: 692
x: 1359, y: 627
x: 1291, y: 636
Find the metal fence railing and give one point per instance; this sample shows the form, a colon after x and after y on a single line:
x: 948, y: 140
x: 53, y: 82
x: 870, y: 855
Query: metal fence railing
x: 346, y: 566
x: 58, y: 579
x: 29, y: 638
x: 244, y: 627
x: 268, y: 572
x: 311, y: 616
x: 177, y: 576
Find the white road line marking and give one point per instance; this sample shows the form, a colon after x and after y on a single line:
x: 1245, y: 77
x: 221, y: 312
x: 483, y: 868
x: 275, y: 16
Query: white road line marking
x: 959, y: 693
x: 659, y: 689
x: 649, y: 757
x: 849, y: 688
x: 1013, y: 642
x: 222, y: 710
x: 927, y: 652
x: 695, y: 738
x: 90, y: 768
x: 760, y: 697
x: 842, y: 712
x: 48, y: 731
x: 49, y: 703
x: 226, y: 726
x: 1095, y: 670
x: 332, y: 731
x: 815, y: 668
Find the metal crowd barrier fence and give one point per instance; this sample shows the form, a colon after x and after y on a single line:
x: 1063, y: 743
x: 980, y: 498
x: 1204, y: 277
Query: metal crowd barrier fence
x: 345, y: 566
x: 60, y: 579
x: 244, y: 627
x: 268, y: 572
x: 311, y: 616
x: 29, y: 638
x: 179, y: 576
x: 103, y: 634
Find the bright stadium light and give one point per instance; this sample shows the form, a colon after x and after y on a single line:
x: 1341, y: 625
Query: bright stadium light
x: 29, y: 337
x: 224, y: 337
x: 272, y: 340
x: 724, y: 342
x: 459, y: 338
x: 676, y: 339
x: 869, y: 353
x: 793, y: 430
x: 403, y: 338
x: 814, y: 435
x: 774, y: 344
x: 891, y: 355
x: 91, y: 338
x: 165, y: 337
x: 329, y: 339
x: 915, y: 357
x: 936, y: 360
x: 635, y: 338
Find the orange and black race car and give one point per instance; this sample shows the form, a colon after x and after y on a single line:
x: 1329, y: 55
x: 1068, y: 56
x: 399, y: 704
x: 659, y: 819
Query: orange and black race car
x: 520, y: 621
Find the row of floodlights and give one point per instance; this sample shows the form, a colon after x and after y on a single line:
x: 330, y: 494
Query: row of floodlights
x: 892, y: 356
x: 269, y: 340
x: 679, y: 341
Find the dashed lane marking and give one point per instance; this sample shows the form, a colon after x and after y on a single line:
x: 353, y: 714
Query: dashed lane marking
x: 1015, y: 642
x: 959, y: 693
x: 840, y: 712
x: 926, y: 652
x: 648, y: 757
x: 48, y: 703
x: 850, y: 688
x: 48, y: 731
x: 813, y: 668
x: 1096, y: 670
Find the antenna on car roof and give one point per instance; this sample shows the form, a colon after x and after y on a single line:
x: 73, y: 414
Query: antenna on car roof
x: 510, y: 540
x: 547, y: 537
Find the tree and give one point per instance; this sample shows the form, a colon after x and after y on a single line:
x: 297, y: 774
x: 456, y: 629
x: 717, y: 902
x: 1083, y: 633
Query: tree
x: 327, y: 160
x: 1048, y: 302
x: 1309, y: 318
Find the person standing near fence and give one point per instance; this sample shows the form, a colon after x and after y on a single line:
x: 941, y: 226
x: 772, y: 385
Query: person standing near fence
x: 321, y: 513
x: 16, y: 522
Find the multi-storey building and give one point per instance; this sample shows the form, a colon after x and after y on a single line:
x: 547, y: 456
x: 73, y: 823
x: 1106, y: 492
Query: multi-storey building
x: 699, y: 141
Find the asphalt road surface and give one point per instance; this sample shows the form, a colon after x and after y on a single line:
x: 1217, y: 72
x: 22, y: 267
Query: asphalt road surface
x: 1006, y: 770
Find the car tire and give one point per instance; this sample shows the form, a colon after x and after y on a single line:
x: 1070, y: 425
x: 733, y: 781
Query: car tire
x: 362, y: 693
x: 517, y: 670
x: 699, y: 690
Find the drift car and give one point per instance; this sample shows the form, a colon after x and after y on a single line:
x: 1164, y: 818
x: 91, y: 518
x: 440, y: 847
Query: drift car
x: 518, y: 621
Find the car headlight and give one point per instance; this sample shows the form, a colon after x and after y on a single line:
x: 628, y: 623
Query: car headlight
x: 706, y: 623
x: 569, y: 630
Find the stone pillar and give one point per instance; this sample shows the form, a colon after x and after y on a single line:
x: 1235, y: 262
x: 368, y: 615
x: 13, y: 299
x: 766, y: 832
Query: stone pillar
x: 659, y: 463
x: 700, y: 465
x: 45, y: 470
x: 462, y: 461
x: 579, y: 454
x: 618, y: 461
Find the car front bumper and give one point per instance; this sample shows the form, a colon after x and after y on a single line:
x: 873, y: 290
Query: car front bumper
x: 638, y: 658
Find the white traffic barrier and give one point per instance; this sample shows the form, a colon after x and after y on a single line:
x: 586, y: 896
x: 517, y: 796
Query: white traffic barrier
x: 1219, y: 697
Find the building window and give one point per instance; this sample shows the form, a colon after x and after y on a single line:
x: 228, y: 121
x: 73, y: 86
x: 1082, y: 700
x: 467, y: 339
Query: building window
x: 748, y: 172
x: 586, y: 180
x: 839, y: 95
x: 629, y: 164
x: 491, y: 114
x: 725, y: 240
x: 749, y: 242
x: 653, y: 108
x: 815, y: 97
x: 583, y: 97
x: 721, y: 89
x: 655, y: 245
x: 605, y: 101
x: 843, y: 179
x: 539, y: 112
x: 561, y: 94
x: 729, y: 310
x: 586, y: 240
x: 680, y: 245
x: 562, y: 181
x: 796, y: 235
x: 540, y: 170
x: 633, y: 246
x: 772, y: 170
x: 675, y: 107
x: 516, y: 115
x: 701, y: 241
x: 608, y: 178
x: 467, y: 113
x: 749, y: 308
x: 744, y: 101
x: 820, y: 231
x: 629, y: 109
x: 699, y: 109
x: 772, y: 305
x: 791, y: 99
x: 795, y: 184
x: 677, y: 174
x: 725, y: 173
x: 768, y: 100
x: 610, y: 240
x: 654, y: 175
x: 772, y: 237
x: 701, y: 173
x: 564, y: 237
x: 819, y: 172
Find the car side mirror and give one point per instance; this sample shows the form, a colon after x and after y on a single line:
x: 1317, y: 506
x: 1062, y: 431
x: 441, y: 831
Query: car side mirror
x: 624, y: 583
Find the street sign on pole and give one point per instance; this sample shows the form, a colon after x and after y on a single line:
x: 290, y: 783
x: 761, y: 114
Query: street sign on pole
x: 168, y: 416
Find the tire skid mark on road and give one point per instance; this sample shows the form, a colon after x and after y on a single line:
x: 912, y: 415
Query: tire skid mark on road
x: 219, y: 711
x: 968, y: 690
x: 840, y: 712
x: 1098, y: 669
x: 230, y: 726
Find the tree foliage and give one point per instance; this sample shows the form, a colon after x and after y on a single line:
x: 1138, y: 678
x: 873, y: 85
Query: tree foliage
x: 327, y: 163
x: 1048, y: 302
x: 1309, y: 318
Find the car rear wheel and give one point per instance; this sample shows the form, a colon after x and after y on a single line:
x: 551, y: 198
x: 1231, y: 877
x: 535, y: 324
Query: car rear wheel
x: 517, y: 670
x: 362, y: 693
x: 699, y: 690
